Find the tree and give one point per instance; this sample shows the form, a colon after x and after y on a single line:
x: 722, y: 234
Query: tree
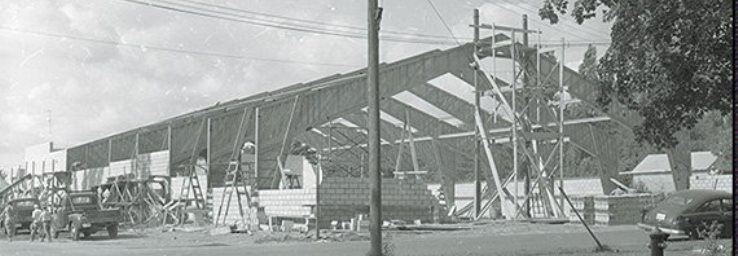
x: 670, y: 60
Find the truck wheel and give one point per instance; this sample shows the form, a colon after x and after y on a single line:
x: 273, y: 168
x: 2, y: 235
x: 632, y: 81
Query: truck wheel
x: 75, y: 232
x: 113, y: 230
x: 54, y: 232
x: 86, y: 234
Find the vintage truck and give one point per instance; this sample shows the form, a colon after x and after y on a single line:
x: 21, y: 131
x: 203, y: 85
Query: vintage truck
x: 23, y: 212
x: 81, y: 213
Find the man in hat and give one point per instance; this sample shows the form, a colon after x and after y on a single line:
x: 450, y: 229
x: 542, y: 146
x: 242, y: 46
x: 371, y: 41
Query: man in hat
x: 9, y: 217
x: 36, y: 224
x: 45, y: 220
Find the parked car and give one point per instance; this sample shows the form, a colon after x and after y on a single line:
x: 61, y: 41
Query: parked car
x: 80, y: 213
x: 687, y: 212
x: 24, y: 211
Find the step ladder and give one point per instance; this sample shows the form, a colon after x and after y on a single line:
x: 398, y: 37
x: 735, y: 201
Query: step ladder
x: 192, y: 183
x: 235, y: 181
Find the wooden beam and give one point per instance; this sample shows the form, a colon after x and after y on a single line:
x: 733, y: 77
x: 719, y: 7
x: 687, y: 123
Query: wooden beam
x: 413, y: 153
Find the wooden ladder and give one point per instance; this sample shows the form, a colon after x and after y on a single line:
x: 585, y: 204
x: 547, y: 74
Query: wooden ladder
x: 192, y: 183
x: 235, y: 181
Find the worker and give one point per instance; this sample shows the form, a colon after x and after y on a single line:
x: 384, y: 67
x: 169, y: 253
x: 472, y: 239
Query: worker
x: 36, y: 223
x: 106, y: 195
x: 9, y: 216
x: 46, y: 224
x: 44, y: 197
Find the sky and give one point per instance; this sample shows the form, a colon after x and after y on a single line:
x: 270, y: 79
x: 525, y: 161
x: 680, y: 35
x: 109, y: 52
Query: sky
x: 91, y: 90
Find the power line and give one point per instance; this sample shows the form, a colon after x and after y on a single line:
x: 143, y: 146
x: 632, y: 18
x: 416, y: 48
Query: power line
x: 443, y: 21
x: 209, y: 13
x: 362, y: 29
x: 158, y: 48
x: 215, y: 14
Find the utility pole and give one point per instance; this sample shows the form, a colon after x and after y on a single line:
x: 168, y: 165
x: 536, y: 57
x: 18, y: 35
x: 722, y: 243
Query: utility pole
x: 374, y: 15
x: 477, y: 182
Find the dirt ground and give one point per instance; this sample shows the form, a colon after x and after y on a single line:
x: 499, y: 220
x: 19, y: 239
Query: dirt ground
x: 492, y: 238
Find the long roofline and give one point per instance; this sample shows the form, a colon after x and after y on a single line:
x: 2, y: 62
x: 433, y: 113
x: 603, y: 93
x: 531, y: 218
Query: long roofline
x: 277, y: 94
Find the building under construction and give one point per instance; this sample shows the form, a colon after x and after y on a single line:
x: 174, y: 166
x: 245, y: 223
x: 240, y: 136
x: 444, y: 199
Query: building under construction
x: 299, y: 152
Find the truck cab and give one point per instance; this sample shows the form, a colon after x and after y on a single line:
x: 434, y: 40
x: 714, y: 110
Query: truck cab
x: 23, y: 213
x: 80, y: 213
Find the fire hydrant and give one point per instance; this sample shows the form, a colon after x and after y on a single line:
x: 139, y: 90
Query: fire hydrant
x: 658, y: 242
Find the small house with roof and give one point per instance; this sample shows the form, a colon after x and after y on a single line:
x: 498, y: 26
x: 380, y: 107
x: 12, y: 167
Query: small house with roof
x: 654, y: 173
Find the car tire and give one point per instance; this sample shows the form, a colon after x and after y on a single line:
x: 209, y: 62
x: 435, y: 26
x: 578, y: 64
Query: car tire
x: 693, y: 234
x: 87, y: 234
x: 113, y: 230
x: 75, y: 232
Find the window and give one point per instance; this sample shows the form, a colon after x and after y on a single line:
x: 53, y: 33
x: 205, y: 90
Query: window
x: 711, y: 206
x: 28, y: 203
x: 727, y: 205
x: 82, y: 200
x: 678, y: 200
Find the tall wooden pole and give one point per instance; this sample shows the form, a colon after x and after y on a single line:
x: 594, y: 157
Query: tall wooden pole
x: 526, y: 82
x: 257, y: 161
x: 561, y: 119
x: 375, y: 209
x: 514, y: 84
x: 477, y: 182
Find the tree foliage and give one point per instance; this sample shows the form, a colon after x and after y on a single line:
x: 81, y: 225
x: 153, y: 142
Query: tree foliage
x: 669, y: 60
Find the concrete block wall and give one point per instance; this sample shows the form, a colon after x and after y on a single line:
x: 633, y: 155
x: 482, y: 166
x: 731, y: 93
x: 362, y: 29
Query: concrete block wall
x: 288, y: 202
x: 86, y: 179
x: 233, y: 215
x: 585, y: 206
x: 344, y: 198
x: 705, y: 181
x: 176, y: 186
x: 155, y: 163
x: 623, y: 209
x: 121, y: 167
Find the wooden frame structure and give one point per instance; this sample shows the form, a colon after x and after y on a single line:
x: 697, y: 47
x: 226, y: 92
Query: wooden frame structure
x: 306, y: 112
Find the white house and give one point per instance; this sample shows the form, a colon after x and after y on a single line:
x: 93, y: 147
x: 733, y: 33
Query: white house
x: 654, y: 174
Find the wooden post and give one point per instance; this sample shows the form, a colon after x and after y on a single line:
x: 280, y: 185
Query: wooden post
x: 169, y: 148
x: 398, y: 161
x: 411, y: 140
x: 318, y: 173
x: 282, y: 157
x: 561, y: 120
x: 256, y: 150
x: 514, y: 123
x: 477, y: 174
x: 207, y: 152
x: 526, y: 82
x: 135, y: 154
